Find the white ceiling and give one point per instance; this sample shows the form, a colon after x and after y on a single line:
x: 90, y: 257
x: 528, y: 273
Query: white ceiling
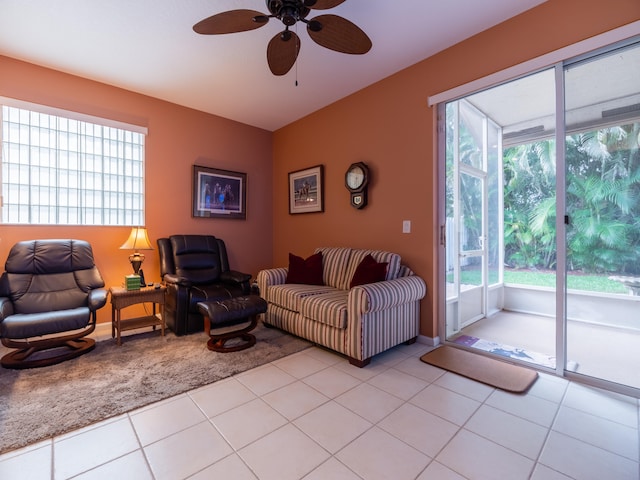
x: 148, y: 46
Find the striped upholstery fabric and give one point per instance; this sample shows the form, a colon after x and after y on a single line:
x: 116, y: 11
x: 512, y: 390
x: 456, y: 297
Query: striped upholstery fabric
x: 405, y: 271
x: 361, y: 322
x: 290, y: 295
x: 316, y: 332
x: 384, y: 295
x: 333, y: 262
x: 373, y: 303
x: 266, y: 278
x: 329, y: 308
x: 281, y: 318
x: 375, y: 332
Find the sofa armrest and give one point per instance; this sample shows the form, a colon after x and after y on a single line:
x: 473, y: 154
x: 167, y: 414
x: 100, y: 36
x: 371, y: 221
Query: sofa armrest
x: 272, y: 276
x: 6, y: 308
x: 378, y: 296
x: 382, y: 315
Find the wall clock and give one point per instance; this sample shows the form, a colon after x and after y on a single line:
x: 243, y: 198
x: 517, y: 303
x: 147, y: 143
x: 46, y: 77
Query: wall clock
x: 357, y: 181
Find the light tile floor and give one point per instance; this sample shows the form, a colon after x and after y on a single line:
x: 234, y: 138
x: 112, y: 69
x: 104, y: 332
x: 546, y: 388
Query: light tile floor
x: 313, y: 416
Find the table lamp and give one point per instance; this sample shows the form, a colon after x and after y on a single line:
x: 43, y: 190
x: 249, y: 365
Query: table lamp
x: 138, y: 240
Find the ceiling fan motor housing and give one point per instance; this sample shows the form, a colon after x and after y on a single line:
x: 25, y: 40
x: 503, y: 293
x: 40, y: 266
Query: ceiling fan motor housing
x: 289, y: 11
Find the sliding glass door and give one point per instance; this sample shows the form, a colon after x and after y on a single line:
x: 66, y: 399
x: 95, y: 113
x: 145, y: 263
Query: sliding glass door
x: 542, y: 201
x: 602, y: 165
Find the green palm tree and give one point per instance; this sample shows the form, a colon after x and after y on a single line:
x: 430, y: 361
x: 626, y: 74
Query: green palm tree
x: 603, y: 192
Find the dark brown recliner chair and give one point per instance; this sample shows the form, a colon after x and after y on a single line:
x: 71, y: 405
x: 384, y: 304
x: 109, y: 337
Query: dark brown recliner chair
x: 195, y: 268
x: 50, y: 292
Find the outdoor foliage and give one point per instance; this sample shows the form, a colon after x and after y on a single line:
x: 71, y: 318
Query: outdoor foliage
x: 602, y: 197
x: 603, y: 202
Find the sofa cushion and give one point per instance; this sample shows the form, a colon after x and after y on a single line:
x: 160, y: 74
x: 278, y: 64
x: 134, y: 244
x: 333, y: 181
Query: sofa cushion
x: 305, y: 271
x: 393, y: 260
x: 329, y: 308
x: 289, y: 295
x: 334, y: 260
x: 369, y: 271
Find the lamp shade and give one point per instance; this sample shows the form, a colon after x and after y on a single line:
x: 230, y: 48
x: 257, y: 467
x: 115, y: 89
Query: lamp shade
x: 138, y: 240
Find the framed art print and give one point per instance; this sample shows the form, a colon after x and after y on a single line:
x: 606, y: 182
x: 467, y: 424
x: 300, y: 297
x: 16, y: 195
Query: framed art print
x: 219, y: 193
x: 306, y: 194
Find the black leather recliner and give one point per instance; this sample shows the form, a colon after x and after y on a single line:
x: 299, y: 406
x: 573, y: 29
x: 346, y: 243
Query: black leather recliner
x: 49, y: 294
x: 195, y: 268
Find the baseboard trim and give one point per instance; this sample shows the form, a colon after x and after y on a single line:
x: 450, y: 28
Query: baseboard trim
x: 431, y: 341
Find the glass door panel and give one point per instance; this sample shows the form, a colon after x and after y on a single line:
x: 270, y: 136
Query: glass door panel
x: 602, y: 155
x: 472, y: 291
x: 466, y: 217
x: 500, y: 207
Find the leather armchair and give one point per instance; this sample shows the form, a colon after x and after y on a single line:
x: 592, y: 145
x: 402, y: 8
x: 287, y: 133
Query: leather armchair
x: 50, y: 292
x: 195, y: 268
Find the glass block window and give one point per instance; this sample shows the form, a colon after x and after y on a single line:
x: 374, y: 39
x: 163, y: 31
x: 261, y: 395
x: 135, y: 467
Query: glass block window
x: 62, y: 168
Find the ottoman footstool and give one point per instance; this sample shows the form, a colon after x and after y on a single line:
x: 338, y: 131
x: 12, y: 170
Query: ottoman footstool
x: 231, y: 319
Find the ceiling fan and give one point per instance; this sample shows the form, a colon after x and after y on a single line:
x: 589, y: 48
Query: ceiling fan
x: 330, y: 31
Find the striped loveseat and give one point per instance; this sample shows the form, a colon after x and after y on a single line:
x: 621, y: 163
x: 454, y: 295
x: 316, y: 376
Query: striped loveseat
x: 358, y: 322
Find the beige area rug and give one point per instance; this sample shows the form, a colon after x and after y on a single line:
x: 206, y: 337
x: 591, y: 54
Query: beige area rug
x: 496, y: 373
x: 37, y: 404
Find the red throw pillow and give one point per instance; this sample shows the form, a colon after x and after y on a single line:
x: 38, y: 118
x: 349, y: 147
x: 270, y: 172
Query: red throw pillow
x: 308, y: 272
x: 369, y: 271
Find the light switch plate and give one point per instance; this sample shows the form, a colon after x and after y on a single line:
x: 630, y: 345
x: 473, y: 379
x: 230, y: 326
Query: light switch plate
x: 406, y: 226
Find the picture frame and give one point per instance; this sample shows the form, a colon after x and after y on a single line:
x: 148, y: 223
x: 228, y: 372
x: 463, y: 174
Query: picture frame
x: 306, y: 190
x: 219, y: 193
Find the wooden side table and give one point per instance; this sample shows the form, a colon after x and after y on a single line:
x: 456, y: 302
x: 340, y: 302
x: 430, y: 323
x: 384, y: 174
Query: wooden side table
x: 122, y: 298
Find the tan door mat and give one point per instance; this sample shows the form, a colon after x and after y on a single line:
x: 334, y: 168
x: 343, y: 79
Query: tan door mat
x: 496, y: 373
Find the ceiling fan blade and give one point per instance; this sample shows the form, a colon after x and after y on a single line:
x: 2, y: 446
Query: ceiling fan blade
x: 340, y: 34
x: 229, y: 22
x: 282, y: 52
x: 325, y: 4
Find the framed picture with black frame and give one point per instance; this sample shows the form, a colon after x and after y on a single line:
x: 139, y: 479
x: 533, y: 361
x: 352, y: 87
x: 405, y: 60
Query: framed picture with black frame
x: 306, y: 190
x: 219, y: 193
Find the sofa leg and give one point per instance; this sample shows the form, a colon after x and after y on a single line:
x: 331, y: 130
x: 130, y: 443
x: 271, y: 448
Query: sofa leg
x: 359, y: 363
x: 411, y: 341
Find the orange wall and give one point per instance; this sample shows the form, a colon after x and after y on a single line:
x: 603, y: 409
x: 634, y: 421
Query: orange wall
x: 178, y: 138
x: 390, y: 127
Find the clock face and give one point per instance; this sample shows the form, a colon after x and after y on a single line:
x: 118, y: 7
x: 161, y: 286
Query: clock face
x: 355, y: 177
